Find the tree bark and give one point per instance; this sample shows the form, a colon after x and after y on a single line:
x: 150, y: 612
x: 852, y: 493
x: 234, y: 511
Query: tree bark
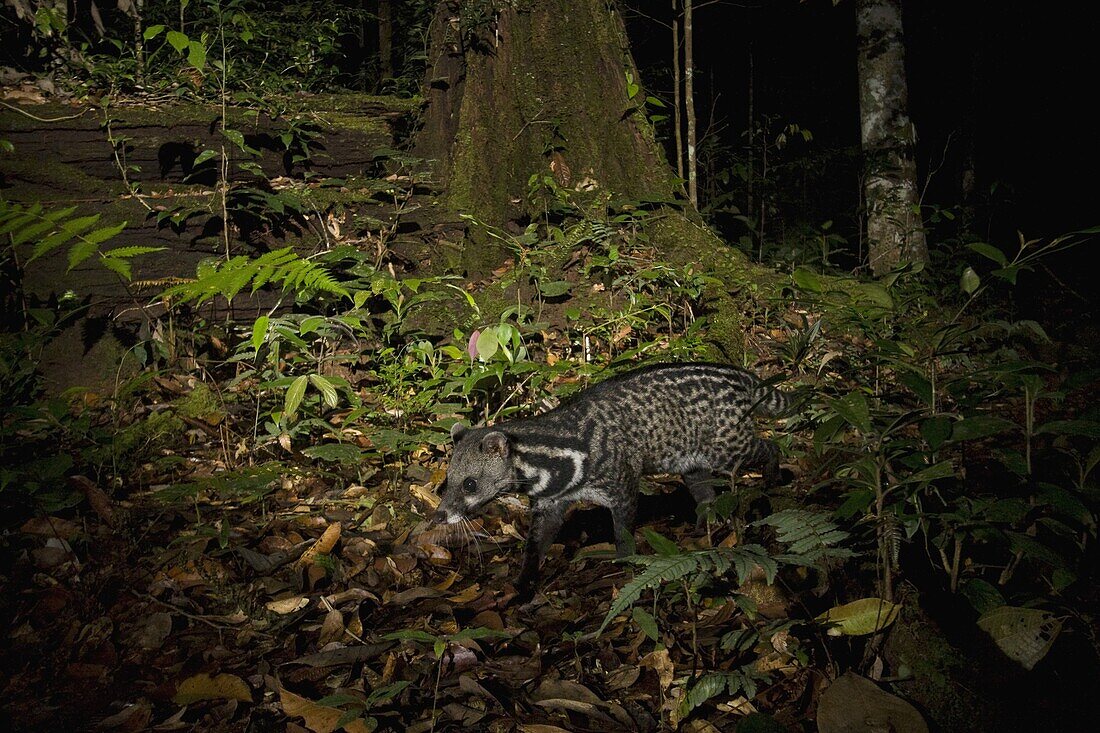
x: 677, y: 122
x: 385, y: 41
x: 541, y: 89
x: 689, y: 104
x: 895, y: 234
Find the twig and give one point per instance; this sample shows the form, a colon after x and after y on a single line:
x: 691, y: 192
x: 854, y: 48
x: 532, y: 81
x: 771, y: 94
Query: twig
x: 36, y: 118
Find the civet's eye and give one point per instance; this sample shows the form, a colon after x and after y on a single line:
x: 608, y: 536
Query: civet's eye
x: 469, y: 485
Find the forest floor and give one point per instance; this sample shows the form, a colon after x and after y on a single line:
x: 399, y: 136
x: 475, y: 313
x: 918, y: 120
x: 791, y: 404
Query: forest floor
x: 213, y: 557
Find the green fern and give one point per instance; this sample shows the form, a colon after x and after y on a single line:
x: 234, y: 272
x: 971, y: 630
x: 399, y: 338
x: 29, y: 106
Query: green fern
x: 228, y: 278
x: 48, y: 230
x: 810, y: 536
x: 739, y: 681
x: 662, y: 569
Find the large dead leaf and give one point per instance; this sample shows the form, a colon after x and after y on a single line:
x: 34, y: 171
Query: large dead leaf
x: 854, y: 704
x: 1025, y: 635
x: 204, y: 687
x: 318, y: 718
x: 322, y: 546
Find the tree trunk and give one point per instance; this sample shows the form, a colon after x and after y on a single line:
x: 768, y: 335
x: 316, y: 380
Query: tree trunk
x: 676, y: 94
x: 689, y: 104
x: 535, y: 90
x: 895, y: 234
x: 385, y: 41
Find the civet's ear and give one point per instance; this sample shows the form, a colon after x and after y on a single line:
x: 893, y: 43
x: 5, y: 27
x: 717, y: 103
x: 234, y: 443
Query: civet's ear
x: 495, y: 442
x: 457, y: 431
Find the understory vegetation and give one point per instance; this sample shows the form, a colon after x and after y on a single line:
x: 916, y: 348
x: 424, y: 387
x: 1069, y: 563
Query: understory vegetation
x: 231, y: 532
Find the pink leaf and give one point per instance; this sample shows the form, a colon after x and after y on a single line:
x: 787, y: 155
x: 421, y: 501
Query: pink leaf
x: 471, y: 348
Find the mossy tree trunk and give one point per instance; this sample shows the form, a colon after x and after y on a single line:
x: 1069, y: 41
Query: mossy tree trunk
x: 518, y: 89
x: 540, y: 88
x: 895, y: 234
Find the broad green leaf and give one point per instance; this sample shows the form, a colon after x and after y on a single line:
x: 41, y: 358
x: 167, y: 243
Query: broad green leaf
x: 1085, y: 428
x: 969, y: 281
x: 487, y: 344
x: 979, y: 426
x: 196, y: 54
x: 876, y: 294
x: 1025, y: 635
x: 988, y: 250
x: 807, y: 280
x: 294, y: 394
x: 235, y: 137
x: 936, y: 430
x: 646, y: 622
x: 853, y: 408
x: 660, y: 544
x: 259, y: 332
x: 982, y: 595
x: 328, y: 392
x: 310, y: 324
x: 152, y: 32
x: 203, y: 157
x: 865, y: 616
x: 344, y: 453
x: 554, y: 289
x: 178, y: 41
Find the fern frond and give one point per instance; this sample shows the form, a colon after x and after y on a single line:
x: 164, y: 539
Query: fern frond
x: 49, y: 230
x: 810, y: 536
x: 228, y: 278
x: 663, y: 569
x: 740, y: 681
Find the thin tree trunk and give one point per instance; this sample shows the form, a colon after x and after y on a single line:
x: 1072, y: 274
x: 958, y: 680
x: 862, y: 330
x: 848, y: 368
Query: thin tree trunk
x: 895, y: 234
x: 676, y: 81
x: 689, y: 105
x: 385, y: 40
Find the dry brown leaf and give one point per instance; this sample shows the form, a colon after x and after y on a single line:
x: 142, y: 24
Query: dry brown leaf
x: 425, y: 495
x: 322, y: 546
x: 318, y: 718
x: 447, y: 582
x: 489, y: 619
x: 50, y: 527
x: 287, y: 605
x: 436, y: 555
x: 660, y: 663
x: 467, y: 595
x: 204, y: 687
x: 332, y: 628
x: 97, y: 499
x: 852, y: 704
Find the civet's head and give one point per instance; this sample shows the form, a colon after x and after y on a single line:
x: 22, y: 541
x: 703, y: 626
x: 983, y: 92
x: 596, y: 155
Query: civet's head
x: 481, y: 468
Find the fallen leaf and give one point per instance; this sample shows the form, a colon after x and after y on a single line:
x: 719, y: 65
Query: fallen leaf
x: 660, y: 663
x: 204, y: 687
x: 467, y: 595
x: 332, y: 628
x: 152, y: 633
x: 489, y: 619
x: 853, y: 704
x: 318, y: 718
x: 287, y: 605
x: 425, y: 495
x: 1025, y: 635
x: 50, y: 527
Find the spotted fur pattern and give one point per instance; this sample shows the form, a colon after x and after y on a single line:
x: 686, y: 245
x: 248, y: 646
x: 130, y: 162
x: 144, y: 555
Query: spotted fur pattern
x: 690, y: 419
